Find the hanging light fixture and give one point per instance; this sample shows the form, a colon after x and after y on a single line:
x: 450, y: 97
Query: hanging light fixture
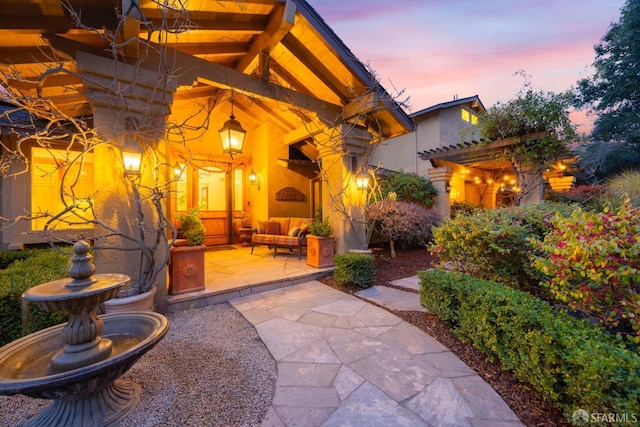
x: 232, y: 134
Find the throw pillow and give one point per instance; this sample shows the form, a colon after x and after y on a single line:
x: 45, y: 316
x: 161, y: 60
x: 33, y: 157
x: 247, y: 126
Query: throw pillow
x: 261, y: 226
x: 272, y: 227
x: 294, y: 231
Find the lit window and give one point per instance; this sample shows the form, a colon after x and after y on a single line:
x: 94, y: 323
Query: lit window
x: 53, y: 187
x: 468, y: 117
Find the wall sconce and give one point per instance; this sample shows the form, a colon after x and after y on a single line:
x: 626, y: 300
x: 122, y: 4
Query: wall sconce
x: 362, y: 180
x: 254, y: 179
x: 132, y: 161
x: 232, y: 135
x: 447, y: 187
x: 178, y: 169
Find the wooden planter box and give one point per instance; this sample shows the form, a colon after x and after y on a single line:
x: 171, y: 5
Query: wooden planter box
x: 186, y: 269
x: 320, y: 251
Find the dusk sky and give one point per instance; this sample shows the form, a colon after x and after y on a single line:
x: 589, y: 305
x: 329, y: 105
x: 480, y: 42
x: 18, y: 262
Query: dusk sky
x: 435, y: 49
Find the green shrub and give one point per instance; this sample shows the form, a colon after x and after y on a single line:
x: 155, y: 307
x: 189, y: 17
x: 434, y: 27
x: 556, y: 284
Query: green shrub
x: 464, y: 208
x: 9, y: 257
x: 409, y: 187
x: 591, y: 197
x: 573, y: 363
x: 354, y: 269
x: 591, y: 262
x: 495, y: 244
x: 43, y: 266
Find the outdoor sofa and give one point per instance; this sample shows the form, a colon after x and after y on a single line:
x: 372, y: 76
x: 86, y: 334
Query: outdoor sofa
x: 281, y: 232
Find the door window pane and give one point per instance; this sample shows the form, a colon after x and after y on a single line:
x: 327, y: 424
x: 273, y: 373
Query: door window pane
x: 212, y: 189
x: 238, y: 179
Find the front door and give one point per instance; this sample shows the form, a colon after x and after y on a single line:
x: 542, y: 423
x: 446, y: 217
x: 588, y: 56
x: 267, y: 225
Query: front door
x: 213, y: 203
x: 208, y: 188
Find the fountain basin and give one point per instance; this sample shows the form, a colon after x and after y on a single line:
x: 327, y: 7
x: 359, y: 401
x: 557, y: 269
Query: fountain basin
x: 24, y: 362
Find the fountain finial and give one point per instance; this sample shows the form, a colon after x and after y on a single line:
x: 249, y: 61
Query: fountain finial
x: 82, y: 267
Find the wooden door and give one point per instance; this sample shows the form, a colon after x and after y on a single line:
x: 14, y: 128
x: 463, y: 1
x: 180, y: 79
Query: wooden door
x: 207, y: 189
x: 213, y: 204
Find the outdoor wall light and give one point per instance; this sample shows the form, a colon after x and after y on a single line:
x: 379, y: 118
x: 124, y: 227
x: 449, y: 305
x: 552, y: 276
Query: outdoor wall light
x: 362, y: 180
x: 254, y: 179
x: 448, y: 187
x: 132, y: 161
x: 178, y: 169
x: 232, y: 135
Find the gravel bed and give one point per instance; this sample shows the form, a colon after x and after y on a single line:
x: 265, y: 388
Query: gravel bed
x: 211, y: 369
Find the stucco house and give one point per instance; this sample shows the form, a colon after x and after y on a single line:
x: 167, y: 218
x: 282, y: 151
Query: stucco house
x: 166, y: 80
x: 446, y: 146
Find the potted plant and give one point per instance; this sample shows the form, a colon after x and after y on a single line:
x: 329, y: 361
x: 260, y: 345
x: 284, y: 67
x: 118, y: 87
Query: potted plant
x: 320, y: 243
x: 186, y: 263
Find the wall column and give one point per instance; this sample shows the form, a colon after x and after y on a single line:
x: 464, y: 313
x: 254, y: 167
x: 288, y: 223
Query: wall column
x: 342, y: 153
x: 440, y: 177
x: 134, y: 119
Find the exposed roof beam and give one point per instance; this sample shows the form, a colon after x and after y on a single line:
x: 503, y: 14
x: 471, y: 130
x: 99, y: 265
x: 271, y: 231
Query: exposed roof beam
x: 212, y: 48
x: 279, y: 25
x: 38, y: 24
x: 27, y: 55
x: 316, y: 66
x: 192, y: 69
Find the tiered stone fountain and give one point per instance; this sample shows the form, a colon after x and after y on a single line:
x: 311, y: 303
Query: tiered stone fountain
x: 78, y: 364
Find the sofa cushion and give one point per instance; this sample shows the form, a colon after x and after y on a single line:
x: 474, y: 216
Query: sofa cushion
x: 284, y: 224
x: 286, y: 241
x: 263, y: 239
x: 294, y: 231
x: 272, y: 227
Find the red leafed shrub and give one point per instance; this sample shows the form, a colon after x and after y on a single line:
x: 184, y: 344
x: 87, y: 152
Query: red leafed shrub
x: 409, y: 223
x: 589, y: 196
x: 592, y: 264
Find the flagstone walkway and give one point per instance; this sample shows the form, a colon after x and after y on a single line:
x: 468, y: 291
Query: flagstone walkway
x: 345, y: 362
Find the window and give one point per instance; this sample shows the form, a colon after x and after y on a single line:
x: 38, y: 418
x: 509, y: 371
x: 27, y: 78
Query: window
x: 53, y: 187
x: 469, y: 117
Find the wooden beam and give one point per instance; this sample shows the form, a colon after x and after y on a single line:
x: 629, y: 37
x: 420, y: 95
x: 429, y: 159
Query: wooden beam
x: 192, y: 69
x: 27, y: 55
x: 282, y: 19
x: 36, y: 24
x: 363, y: 105
x: 309, y: 130
x: 210, y: 49
x: 316, y: 66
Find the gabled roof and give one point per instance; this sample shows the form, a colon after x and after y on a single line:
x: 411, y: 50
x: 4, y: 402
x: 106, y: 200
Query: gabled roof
x: 474, y: 100
x: 279, y: 57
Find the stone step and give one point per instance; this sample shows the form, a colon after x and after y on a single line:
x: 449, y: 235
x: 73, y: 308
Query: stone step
x: 392, y: 298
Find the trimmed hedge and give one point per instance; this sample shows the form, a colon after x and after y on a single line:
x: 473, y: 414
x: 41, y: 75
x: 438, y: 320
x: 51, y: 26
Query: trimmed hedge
x: 9, y: 257
x: 355, y: 269
x: 43, y: 266
x: 573, y: 363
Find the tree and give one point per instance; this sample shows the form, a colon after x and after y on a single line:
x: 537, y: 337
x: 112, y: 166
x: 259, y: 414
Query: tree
x: 540, y: 125
x: 612, y: 92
